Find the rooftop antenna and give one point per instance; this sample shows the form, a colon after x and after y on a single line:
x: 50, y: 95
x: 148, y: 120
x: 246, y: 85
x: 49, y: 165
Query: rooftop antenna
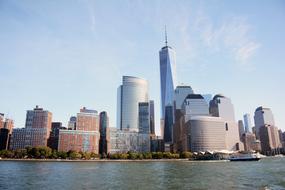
x: 165, y: 35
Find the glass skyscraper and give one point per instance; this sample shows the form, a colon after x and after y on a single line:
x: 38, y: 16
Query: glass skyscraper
x: 130, y: 93
x: 262, y: 116
x: 247, y: 123
x: 167, y: 60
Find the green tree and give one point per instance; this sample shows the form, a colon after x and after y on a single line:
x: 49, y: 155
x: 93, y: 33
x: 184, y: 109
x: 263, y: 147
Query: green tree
x: 54, y: 154
x: 167, y: 155
x: 186, y: 155
x: 45, y: 152
x: 133, y: 155
x: 62, y: 154
x: 34, y: 152
x: 73, y: 155
x: 157, y: 155
x: 6, y: 154
x: 93, y: 155
x: 147, y: 155
x: 20, y: 153
x: 86, y: 155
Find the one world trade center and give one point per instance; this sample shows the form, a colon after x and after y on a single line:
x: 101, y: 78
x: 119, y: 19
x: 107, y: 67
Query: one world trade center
x: 167, y: 61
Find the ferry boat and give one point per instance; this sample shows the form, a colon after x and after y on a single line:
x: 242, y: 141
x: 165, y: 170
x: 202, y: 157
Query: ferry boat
x: 245, y: 157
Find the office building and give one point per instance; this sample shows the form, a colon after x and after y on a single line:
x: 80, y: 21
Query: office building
x: 87, y: 120
x: 195, y: 105
x: 28, y: 137
x: 79, y: 140
x: 167, y: 62
x: 208, y: 98
x: 104, y: 125
x: 180, y: 93
x: 262, y: 116
x: 72, y: 123
x: 6, y: 128
x: 4, y: 138
x: 144, y: 117
x: 36, y: 132
x: 168, y: 124
x: 157, y: 144
x: 247, y: 123
x: 152, y: 117
x: 123, y: 141
x: 86, y: 136
x: 240, y: 128
x: 221, y: 106
x: 130, y: 93
x: 207, y: 134
x: 250, y: 142
x: 269, y: 138
x: 54, y: 135
x: 179, y: 133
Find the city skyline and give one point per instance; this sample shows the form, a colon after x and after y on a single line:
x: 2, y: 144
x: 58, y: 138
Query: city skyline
x: 46, y: 62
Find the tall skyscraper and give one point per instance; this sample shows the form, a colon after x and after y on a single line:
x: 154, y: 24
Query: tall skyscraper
x: 104, y: 125
x: 144, y: 118
x: 247, y: 122
x: 195, y: 105
x: 168, y: 124
x: 180, y: 93
x: 130, y: 93
x: 179, y: 132
x: 222, y: 106
x: 240, y: 128
x: 152, y: 117
x: 167, y: 75
x: 262, y: 116
x: 270, y: 141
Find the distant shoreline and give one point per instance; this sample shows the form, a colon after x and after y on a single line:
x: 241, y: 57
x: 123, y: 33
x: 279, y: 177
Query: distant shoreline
x: 110, y: 160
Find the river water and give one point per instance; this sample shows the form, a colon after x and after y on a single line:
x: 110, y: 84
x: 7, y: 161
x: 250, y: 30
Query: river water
x: 268, y: 173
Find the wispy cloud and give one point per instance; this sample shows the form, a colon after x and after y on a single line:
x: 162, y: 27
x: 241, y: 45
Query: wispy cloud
x: 232, y: 35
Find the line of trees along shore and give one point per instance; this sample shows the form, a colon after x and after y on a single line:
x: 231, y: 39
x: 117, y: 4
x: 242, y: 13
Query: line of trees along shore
x: 42, y: 152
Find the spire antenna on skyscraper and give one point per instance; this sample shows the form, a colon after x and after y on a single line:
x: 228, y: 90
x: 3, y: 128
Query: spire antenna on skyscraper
x: 165, y: 35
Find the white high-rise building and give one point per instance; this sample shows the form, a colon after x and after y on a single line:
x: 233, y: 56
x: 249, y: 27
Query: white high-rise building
x: 222, y: 106
x: 180, y: 93
x: 130, y: 93
x: 195, y: 105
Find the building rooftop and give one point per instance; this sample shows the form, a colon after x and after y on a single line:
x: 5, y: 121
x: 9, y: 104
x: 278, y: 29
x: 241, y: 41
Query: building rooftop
x: 260, y: 108
x: 194, y: 96
x: 218, y: 96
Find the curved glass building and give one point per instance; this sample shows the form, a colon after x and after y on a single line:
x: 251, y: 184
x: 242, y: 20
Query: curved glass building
x: 130, y: 93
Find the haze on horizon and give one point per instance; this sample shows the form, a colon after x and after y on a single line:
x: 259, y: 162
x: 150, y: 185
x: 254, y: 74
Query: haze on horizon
x: 63, y: 55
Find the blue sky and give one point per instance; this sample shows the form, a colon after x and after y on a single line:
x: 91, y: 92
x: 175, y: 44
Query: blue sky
x: 63, y: 55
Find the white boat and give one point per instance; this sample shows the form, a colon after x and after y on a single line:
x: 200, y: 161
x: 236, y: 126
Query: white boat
x: 245, y: 157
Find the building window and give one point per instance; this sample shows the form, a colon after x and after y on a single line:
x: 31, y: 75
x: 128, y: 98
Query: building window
x: 227, y: 128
